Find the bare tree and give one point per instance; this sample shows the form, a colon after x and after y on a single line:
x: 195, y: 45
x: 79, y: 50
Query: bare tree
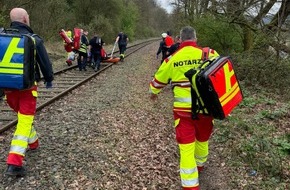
x: 249, y: 15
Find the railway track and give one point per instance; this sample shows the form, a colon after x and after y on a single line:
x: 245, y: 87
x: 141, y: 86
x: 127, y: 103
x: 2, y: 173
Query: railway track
x: 66, y: 80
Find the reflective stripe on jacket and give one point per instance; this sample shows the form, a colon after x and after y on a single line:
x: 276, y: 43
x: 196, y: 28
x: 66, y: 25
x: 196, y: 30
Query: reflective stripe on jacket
x: 173, y: 68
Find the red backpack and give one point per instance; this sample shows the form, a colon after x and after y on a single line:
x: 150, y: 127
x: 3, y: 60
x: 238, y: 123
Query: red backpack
x: 215, y: 87
x: 169, y: 41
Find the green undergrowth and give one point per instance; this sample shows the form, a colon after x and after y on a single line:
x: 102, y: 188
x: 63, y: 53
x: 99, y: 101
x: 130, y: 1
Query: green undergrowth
x: 257, y: 146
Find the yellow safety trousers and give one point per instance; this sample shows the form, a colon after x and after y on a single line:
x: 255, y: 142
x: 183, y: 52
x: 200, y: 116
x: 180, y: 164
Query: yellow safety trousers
x: 24, y: 134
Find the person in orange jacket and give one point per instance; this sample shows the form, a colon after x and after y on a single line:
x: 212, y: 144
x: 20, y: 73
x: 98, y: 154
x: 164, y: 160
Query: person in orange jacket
x: 174, y: 47
x: 192, y: 135
x: 162, y: 48
x: 23, y: 102
x: 169, y: 41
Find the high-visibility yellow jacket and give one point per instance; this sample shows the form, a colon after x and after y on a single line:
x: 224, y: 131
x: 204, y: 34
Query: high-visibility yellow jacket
x: 84, y: 44
x: 188, y: 56
x: 68, y: 33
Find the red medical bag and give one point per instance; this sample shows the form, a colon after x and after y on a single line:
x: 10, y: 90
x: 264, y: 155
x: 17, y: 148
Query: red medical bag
x: 65, y: 37
x: 215, y: 88
x: 77, y: 38
x: 68, y: 43
x: 219, y: 87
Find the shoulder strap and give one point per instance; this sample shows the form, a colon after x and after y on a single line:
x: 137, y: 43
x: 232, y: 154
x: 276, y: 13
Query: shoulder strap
x: 197, y: 104
x: 11, y: 31
x: 205, y: 53
x: 98, y: 41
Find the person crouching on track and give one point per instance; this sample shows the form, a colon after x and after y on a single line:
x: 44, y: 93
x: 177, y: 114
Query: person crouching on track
x: 192, y: 135
x: 122, y: 40
x: 95, y: 48
x: 82, y: 58
x: 23, y: 102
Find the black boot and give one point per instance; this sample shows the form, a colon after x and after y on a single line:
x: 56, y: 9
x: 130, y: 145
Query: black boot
x: 17, y: 171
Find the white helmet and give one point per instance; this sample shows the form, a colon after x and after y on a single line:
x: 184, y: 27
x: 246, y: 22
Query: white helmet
x: 163, y: 35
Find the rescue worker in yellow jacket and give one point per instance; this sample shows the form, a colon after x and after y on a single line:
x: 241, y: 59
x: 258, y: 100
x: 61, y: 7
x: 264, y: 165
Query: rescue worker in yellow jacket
x: 83, y: 51
x: 23, y: 102
x: 192, y: 135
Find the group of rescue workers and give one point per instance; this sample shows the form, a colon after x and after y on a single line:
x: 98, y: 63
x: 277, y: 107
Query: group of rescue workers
x: 92, y: 51
x: 23, y: 101
x: 192, y: 135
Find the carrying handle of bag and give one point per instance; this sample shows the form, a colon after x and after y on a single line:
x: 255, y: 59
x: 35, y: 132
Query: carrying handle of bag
x: 205, y: 53
x: 11, y: 31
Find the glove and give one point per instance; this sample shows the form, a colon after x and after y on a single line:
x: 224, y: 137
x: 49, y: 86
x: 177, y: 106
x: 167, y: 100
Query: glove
x: 156, y: 56
x: 48, y: 84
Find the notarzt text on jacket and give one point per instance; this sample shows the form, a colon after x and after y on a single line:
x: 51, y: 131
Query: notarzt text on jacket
x: 187, y: 62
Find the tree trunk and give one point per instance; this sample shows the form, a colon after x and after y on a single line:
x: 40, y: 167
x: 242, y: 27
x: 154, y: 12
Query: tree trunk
x: 248, y: 39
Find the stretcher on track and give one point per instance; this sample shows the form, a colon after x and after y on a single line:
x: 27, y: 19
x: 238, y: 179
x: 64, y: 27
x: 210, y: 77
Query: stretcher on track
x: 108, y: 59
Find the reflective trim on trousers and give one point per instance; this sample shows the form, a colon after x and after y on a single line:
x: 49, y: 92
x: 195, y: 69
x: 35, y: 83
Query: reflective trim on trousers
x: 189, y: 183
x: 24, y: 131
x: 20, y: 138
x: 201, y: 152
x: 188, y: 171
x: 17, y: 150
x: 200, y: 157
x: 188, y: 167
x: 33, y: 136
x: 184, y: 100
x: 189, y: 177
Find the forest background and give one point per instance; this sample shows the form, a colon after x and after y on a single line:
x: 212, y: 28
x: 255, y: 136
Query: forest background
x: 243, y: 29
x: 255, y: 33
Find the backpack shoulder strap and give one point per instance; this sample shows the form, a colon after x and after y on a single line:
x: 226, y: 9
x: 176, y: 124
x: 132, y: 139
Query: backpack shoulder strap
x: 205, y: 53
x: 197, y: 104
x: 98, y: 41
x: 10, y: 31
